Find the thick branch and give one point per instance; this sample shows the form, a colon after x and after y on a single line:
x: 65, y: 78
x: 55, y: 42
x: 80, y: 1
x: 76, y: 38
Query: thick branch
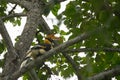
x: 10, y: 57
x: 7, y: 40
x: 57, y: 49
x: 106, y: 74
x: 29, y: 31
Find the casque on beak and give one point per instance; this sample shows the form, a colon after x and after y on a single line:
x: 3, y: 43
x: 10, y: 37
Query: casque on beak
x: 53, y: 37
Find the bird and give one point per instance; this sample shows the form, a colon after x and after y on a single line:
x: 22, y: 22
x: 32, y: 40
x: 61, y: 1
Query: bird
x: 40, y: 49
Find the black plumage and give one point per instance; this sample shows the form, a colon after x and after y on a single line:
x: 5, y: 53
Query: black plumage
x: 39, y: 50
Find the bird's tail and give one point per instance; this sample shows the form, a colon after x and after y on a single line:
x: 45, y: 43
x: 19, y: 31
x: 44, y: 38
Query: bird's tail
x: 25, y: 61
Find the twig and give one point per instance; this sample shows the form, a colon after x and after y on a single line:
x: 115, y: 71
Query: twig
x: 11, y: 11
x: 14, y: 15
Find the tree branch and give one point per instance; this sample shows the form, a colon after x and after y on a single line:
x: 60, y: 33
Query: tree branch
x: 74, y: 65
x: 93, y: 50
x: 29, y: 31
x: 11, y: 55
x: 55, y: 1
x: 14, y: 15
x: 11, y: 11
x: 40, y: 59
x: 44, y: 26
x: 33, y: 75
x: 106, y: 74
x: 7, y: 40
x: 23, y: 3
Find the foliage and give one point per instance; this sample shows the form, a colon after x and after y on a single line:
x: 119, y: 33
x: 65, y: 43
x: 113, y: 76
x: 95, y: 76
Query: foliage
x: 82, y: 16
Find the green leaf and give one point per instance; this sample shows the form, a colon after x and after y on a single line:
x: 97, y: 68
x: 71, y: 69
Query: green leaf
x: 25, y: 76
x: 55, y: 29
x: 3, y: 7
x: 97, y: 5
x: 15, y: 21
x: 39, y: 38
x: 62, y: 32
x: 104, y: 16
x: 18, y: 21
x: 55, y: 9
x: 67, y: 72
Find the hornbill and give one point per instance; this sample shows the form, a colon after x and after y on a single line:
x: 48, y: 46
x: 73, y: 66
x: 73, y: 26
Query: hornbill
x: 40, y: 49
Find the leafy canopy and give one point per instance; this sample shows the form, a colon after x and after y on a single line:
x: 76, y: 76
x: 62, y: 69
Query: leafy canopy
x: 81, y: 16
